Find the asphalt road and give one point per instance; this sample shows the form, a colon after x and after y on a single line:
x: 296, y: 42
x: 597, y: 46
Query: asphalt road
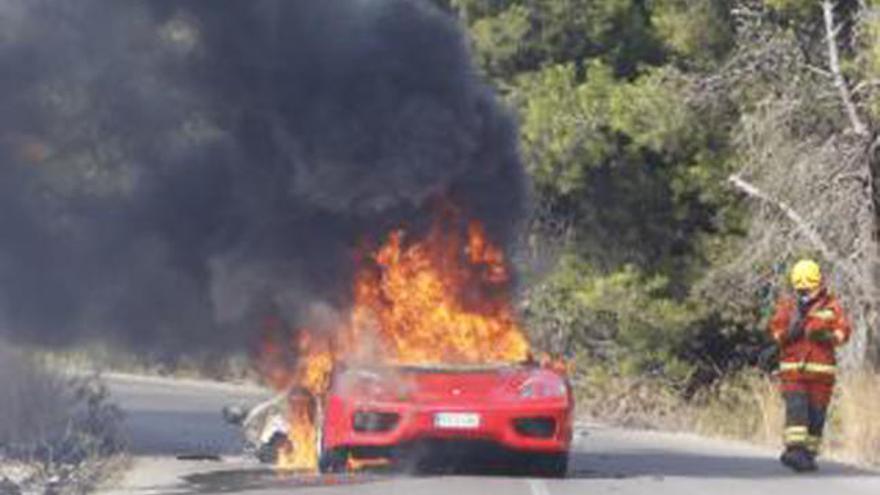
x: 167, y: 419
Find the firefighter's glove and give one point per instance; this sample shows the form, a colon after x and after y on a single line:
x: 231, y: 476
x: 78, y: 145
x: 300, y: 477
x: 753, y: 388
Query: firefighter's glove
x: 795, y: 330
x: 768, y: 359
x: 821, y: 335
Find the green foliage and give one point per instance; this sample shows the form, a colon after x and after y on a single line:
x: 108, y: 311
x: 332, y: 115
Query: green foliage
x: 498, y: 40
x: 607, y: 128
x: 568, y: 127
x: 697, y: 30
x: 631, y: 159
x: 631, y: 116
x: 870, y: 56
x: 653, y: 113
x: 614, y: 140
x: 516, y: 36
x: 872, y: 35
x: 624, y: 307
x: 563, y: 125
x: 794, y: 8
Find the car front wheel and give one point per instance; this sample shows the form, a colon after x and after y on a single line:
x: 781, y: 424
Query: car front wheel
x: 547, y: 465
x: 333, y: 461
x: 267, y: 453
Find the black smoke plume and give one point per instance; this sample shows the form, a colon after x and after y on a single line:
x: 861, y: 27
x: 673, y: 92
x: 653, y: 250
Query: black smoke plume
x: 170, y: 170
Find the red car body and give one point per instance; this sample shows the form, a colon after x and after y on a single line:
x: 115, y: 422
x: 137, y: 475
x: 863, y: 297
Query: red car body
x: 495, y: 414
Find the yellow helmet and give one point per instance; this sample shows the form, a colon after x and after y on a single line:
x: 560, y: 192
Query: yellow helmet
x: 806, y: 275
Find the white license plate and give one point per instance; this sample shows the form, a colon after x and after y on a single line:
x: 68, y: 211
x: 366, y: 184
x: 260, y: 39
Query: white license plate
x: 457, y: 421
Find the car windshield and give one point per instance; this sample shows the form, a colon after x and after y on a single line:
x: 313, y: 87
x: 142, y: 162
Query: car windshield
x: 439, y: 367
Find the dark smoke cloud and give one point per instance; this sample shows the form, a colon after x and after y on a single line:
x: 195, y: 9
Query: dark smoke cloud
x: 170, y: 170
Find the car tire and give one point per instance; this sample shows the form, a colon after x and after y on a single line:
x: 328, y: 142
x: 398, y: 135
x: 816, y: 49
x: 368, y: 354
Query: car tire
x: 547, y: 465
x: 333, y: 461
x: 267, y: 453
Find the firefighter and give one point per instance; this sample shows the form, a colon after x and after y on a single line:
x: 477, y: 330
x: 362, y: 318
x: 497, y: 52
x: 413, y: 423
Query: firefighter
x: 807, y: 325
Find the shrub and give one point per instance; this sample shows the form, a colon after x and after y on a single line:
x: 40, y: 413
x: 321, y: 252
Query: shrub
x: 57, y: 434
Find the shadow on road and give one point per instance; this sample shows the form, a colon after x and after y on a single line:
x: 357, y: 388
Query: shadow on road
x: 233, y: 481
x: 176, y: 433
x: 628, y: 464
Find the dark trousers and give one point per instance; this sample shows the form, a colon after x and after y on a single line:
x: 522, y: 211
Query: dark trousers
x: 806, y: 407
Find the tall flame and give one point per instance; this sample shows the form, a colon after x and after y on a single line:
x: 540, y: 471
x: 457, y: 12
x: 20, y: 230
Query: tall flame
x: 444, y: 298
x: 438, y: 300
x: 302, y: 384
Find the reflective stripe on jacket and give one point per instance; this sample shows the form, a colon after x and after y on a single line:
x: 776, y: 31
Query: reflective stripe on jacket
x: 809, y: 357
x: 828, y: 369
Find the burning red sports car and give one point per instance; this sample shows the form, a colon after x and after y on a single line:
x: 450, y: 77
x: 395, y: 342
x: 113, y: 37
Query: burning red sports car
x: 449, y: 370
x: 492, y: 416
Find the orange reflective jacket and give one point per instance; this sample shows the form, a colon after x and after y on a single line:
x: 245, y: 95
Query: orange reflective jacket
x: 810, y: 357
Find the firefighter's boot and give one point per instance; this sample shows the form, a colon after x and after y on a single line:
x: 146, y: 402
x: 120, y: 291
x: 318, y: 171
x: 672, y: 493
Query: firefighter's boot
x: 798, y: 460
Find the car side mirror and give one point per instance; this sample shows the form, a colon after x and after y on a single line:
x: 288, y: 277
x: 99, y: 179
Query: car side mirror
x: 234, y: 415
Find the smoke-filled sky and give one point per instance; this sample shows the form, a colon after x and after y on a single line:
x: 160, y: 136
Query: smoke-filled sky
x: 172, y: 170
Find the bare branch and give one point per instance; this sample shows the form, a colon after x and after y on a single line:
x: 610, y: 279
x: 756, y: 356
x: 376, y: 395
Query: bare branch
x: 818, y: 70
x: 859, y: 177
x: 844, y: 264
x: 865, y: 86
x: 808, y: 231
x: 849, y: 105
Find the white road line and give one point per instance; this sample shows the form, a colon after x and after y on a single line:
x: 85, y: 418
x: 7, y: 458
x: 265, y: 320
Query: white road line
x: 538, y: 487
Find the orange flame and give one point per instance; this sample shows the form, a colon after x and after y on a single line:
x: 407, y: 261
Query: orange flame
x: 444, y: 298
x: 301, y: 452
x: 439, y: 300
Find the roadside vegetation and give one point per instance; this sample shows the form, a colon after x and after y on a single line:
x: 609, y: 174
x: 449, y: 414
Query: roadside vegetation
x: 58, y: 434
x: 742, y: 406
x: 682, y: 155
x: 97, y: 357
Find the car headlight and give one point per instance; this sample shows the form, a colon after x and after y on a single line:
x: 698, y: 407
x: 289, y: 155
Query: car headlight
x: 374, y: 385
x: 542, y: 389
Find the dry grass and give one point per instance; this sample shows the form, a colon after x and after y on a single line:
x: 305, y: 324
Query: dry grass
x: 35, y: 404
x: 627, y: 401
x: 98, y: 357
x: 746, y: 407
x: 57, y: 434
x: 854, y: 429
x: 749, y: 407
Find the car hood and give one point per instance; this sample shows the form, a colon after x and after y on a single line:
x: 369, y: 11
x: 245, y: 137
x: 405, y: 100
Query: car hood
x: 454, y: 384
